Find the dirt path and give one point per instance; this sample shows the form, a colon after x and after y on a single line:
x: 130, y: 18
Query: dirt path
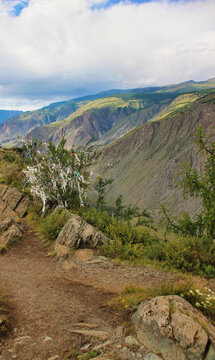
x: 46, y: 305
x: 50, y: 296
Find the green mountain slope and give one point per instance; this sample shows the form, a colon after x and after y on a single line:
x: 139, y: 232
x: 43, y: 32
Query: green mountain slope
x: 105, y: 116
x: 145, y: 164
x: 109, y: 118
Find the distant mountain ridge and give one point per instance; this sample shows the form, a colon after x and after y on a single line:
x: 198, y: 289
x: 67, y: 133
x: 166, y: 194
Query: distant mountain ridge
x: 7, y: 114
x: 104, y: 116
x: 147, y: 136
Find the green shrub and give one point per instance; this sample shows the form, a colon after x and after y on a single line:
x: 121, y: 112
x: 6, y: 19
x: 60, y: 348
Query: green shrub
x: 127, y: 241
x: 53, y: 224
x: 99, y: 219
x: 123, y: 251
x: 186, y: 254
x: 34, y: 211
x: 127, y: 233
x: 9, y: 157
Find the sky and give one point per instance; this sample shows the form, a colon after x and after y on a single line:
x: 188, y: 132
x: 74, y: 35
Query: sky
x: 51, y: 50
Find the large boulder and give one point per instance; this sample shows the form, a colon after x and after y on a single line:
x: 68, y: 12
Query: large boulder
x: 10, y: 232
x: 173, y: 329
x: 13, y: 202
x: 77, y: 233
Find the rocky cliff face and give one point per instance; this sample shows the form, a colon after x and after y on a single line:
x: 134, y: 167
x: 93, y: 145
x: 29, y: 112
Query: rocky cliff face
x: 146, y: 163
x: 90, y: 125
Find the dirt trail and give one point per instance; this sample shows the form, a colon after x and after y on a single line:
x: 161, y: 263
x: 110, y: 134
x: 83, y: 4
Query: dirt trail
x: 48, y: 297
x: 46, y: 304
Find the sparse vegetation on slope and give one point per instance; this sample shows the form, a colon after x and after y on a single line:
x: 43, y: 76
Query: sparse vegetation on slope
x: 11, y: 166
x: 145, y: 163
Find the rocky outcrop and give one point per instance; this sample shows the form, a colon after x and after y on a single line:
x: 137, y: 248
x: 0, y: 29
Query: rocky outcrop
x: 172, y: 329
x: 13, y: 202
x: 10, y: 232
x: 77, y: 233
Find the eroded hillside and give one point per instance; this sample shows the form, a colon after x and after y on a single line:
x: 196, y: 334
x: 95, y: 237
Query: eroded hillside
x: 145, y: 164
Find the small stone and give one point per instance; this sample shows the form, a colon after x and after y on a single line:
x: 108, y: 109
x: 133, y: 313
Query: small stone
x: 139, y: 356
x: 55, y: 357
x: 152, y: 356
x: 101, y: 346
x: 103, y: 258
x: 102, y: 335
x: 85, y: 347
x: 22, y: 339
x: 119, y: 332
x: 130, y: 340
x: 84, y: 325
x: 47, y: 338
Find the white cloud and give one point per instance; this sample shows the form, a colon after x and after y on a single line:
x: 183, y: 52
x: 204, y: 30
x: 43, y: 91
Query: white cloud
x: 63, y: 47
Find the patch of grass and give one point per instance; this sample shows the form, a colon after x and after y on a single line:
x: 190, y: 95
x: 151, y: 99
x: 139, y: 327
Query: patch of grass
x: 11, y: 166
x: 198, y: 295
x: 127, y: 241
x: 53, y: 224
x: 141, y: 245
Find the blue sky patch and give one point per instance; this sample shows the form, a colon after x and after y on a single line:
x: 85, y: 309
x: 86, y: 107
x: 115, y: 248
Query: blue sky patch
x: 113, y: 2
x: 16, y: 6
x: 110, y: 3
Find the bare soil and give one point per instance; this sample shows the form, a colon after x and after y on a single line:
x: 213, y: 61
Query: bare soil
x: 49, y: 296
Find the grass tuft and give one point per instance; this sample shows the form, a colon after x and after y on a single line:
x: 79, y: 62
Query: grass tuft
x: 198, y: 295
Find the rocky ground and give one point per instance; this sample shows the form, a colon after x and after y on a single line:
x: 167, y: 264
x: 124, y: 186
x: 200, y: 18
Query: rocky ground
x: 60, y: 306
x: 49, y: 298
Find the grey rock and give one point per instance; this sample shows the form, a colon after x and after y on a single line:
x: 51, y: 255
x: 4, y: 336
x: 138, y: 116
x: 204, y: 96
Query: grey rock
x: 11, y: 234
x: 6, y: 223
x: 3, y: 190
x: 119, y: 332
x: 78, y: 233
x: 59, y: 208
x: 22, y: 207
x: 5, y: 210
x: 170, y: 327
x: 130, y: 340
x: 102, y: 335
x: 12, y: 197
x: 13, y: 202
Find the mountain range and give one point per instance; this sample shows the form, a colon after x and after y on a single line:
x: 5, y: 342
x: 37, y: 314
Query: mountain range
x: 7, y: 114
x: 146, y: 135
